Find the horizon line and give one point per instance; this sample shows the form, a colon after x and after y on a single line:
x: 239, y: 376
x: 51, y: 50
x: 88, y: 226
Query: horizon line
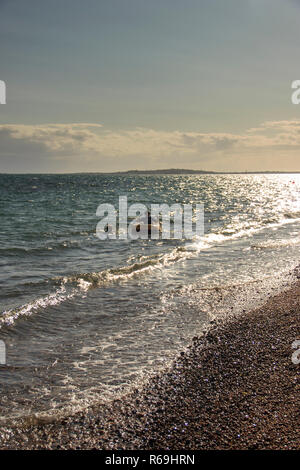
x: 162, y: 171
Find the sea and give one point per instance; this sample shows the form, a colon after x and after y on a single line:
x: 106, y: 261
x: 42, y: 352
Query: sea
x: 84, y: 320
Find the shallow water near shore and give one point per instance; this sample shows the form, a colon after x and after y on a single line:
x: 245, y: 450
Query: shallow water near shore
x: 83, y: 319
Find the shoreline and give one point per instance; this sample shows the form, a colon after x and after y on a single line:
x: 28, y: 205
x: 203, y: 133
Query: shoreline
x: 235, y: 387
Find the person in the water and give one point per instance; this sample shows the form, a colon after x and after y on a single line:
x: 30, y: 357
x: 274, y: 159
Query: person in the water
x: 148, y: 220
x: 148, y: 214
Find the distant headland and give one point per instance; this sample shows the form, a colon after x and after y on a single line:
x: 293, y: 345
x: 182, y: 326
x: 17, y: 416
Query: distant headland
x: 166, y: 171
x: 184, y: 171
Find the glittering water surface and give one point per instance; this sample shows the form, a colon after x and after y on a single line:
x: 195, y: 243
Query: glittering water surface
x: 82, y: 317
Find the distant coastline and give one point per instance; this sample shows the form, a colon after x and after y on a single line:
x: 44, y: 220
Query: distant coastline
x: 182, y: 171
x: 167, y: 171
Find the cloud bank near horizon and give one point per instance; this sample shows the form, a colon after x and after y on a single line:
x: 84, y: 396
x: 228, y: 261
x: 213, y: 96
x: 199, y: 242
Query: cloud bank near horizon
x: 76, y: 147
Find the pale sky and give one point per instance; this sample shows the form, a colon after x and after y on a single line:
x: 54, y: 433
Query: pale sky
x: 106, y: 85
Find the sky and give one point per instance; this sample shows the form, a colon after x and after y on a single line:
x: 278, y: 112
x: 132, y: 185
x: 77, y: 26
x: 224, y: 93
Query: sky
x: 110, y: 85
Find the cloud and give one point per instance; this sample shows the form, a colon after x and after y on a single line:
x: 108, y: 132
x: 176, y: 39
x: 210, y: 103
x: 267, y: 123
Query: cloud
x: 92, y: 147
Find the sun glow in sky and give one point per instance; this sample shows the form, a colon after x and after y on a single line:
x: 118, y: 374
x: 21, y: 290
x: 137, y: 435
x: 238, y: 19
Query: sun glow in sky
x: 131, y: 84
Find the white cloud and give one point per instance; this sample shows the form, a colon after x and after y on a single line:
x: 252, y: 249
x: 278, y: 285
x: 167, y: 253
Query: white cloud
x: 91, y: 147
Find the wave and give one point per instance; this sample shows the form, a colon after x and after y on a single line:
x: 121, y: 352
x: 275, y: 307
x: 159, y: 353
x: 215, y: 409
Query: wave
x: 145, y: 263
x: 273, y: 244
x: 245, y: 230
x: 78, y: 284
x: 291, y: 215
x: 8, y: 317
x: 86, y: 281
